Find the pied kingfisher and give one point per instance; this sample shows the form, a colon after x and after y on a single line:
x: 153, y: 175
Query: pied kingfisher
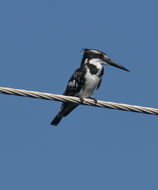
x: 85, y: 80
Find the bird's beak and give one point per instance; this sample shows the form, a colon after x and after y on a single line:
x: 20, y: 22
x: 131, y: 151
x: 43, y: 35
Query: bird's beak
x: 112, y: 63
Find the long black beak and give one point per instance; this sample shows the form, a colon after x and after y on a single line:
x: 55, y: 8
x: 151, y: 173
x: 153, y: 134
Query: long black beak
x: 112, y: 63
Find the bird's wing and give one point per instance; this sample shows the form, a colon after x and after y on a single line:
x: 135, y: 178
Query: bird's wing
x: 99, y: 83
x: 76, y: 82
x: 74, y: 86
x: 101, y: 74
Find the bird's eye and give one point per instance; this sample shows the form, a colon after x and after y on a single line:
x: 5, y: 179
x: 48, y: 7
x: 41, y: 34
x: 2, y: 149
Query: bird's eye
x: 101, y: 55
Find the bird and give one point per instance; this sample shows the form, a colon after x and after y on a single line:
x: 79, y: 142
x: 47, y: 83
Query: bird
x: 85, y: 80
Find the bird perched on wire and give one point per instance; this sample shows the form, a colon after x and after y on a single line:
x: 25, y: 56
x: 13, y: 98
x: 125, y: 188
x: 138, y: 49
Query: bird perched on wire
x: 85, y: 80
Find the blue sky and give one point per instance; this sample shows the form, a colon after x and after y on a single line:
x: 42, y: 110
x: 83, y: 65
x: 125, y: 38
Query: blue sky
x: 93, y: 148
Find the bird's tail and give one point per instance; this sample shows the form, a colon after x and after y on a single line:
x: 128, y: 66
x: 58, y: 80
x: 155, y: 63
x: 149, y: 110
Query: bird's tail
x: 66, y: 108
x: 57, y: 119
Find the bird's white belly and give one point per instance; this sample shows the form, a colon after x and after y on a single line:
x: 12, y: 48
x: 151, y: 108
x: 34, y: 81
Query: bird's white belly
x: 91, y: 82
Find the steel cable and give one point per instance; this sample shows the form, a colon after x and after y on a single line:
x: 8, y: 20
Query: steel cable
x: 90, y: 102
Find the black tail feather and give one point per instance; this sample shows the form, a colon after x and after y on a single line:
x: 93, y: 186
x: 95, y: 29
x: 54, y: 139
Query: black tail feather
x: 57, y: 119
x: 66, y: 108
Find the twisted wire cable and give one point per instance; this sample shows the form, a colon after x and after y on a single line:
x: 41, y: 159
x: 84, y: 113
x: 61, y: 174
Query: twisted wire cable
x: 90, y: 102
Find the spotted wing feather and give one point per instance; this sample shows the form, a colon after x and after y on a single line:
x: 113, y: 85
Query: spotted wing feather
x: 74, y: 86
x: 76, y: 82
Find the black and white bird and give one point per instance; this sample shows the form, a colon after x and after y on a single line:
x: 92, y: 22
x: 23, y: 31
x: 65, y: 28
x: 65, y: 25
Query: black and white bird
x: 85, y: 79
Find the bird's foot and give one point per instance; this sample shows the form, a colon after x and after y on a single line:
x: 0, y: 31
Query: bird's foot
x: 95, y: 100
x: 81, y: 99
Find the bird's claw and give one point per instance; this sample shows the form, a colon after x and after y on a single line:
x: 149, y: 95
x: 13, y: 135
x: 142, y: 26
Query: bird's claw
x: 81, y: 99
x: 95, y: 100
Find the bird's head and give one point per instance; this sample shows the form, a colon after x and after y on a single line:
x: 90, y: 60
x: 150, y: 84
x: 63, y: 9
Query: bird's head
x: 102, y: 57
